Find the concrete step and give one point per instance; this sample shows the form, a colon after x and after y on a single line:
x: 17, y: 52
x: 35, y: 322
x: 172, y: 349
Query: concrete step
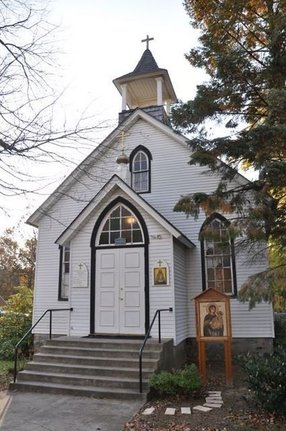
x: 83, y: 391
x: 88, y: 370
x: 123, y: 344
x: 98, y: 352
x: 80, y: 380
x: 91, y: 367
x: 95, y: 361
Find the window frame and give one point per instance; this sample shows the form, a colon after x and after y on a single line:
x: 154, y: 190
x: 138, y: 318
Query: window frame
x: 62, y: 265
x: 225, y: 223
x: 108, y: 220
x: 134, y: 153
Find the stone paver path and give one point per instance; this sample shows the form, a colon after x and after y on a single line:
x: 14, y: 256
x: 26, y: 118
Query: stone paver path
x: 213, y: 401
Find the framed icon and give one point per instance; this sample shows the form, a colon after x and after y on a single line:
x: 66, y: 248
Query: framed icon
x: 160, y: 274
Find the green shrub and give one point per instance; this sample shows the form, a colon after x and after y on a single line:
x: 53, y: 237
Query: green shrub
x: 183, y: 381
x: 280, y: 330
x: 15, y: 322
x: 266, y: 377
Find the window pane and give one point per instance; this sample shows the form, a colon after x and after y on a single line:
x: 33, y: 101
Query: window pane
x: 137, y: 166
x: 125, y: 212
x: 115, y: 224
x: 66, y: 267
x: 226, y: 261
x: 140, y: 181
x: 137, y: 236
x: 136, y: 225
x: 104, y: 238
x: 127, y: 223
x: 136, y: 182
x: 113, y: 236
x: 210, y: 274
x: 115, y: 213
x: 127, y: 235
x: 227, y: 274
x: 106, y: 225
x: 228, y: 286
x: 144, y: 165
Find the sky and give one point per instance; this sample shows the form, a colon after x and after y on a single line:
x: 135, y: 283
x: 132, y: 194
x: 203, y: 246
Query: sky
x: 97, y: 41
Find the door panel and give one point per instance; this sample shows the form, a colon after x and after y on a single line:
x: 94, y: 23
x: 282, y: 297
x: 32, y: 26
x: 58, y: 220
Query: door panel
x: 119, y: 299
x: 106, y: 297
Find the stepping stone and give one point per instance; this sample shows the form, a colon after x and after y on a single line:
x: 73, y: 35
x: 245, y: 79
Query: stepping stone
x: 214, y: 400
x: 186, y: 410
x: 213, y: 405
x: 214, y: 393
x: 148, y: 411
x: 170, y: 411
x: 202, y: 409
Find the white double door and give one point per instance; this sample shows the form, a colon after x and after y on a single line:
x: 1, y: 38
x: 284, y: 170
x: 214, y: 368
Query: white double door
x: 119, y: 297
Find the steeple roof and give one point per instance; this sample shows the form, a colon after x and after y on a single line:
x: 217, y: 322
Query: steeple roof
x: 141, y: 83
x: 147, y: 63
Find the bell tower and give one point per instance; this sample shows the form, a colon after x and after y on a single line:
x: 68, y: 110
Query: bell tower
x: 148, y: 87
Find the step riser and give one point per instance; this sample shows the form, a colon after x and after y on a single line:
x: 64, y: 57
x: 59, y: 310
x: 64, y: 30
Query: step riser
x: 97, y: 368
x: 77, y: 392
x: 98, y: 353
x: 107, y: 362
x: 80, y: 381
x: 122, y: 345
x: 132, y: 374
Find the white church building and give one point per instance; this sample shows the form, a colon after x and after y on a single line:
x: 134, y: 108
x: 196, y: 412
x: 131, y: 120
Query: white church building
x: 111, y: 247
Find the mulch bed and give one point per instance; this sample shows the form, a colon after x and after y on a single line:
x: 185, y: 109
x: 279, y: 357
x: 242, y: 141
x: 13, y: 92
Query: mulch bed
x: 238, y: 413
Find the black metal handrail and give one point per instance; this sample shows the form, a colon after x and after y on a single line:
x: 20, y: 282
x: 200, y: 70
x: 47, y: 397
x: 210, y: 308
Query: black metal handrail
x: 50, y: 310
x: 158, y: 313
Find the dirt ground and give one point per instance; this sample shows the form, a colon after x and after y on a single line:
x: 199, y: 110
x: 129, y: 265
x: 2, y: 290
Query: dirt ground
x: 238, y: 412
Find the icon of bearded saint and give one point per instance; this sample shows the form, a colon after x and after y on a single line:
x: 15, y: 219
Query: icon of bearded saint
x: 213, y: 322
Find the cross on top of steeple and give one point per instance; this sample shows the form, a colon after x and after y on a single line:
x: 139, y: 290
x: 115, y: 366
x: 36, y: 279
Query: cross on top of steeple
x: 147, y: 40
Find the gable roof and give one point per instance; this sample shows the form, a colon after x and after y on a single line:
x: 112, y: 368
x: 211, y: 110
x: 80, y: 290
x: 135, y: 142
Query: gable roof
x: 114, y: 184
x: 74, y: 176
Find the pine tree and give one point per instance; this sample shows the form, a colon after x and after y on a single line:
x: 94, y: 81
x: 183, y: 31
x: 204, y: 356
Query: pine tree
x: 243, y: 50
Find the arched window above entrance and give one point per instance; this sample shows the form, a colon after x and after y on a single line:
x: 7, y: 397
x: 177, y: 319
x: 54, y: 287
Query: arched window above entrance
x: 120, y: 227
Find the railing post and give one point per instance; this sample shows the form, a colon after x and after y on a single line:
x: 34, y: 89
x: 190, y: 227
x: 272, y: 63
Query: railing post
x: 15, y: 363
x: 16, y: 355
x: 146, y: 338
x: 51, y: 322
x: 140, y: 374
x: 159, y: 325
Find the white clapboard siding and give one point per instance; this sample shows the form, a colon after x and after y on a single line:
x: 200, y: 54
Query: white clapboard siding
x: 160, y: 297
x: 171, y: 177
x: 181, y: 293
x: 245, y: 323
x: 46, y: 283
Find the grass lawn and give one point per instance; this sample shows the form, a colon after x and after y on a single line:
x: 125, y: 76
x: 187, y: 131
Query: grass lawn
x: 5, y: 373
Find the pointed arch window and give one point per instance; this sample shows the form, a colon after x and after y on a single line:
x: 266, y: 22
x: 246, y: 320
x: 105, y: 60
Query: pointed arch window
x: 140, y: 166
x: 218, y: 256
x: 120, y: 227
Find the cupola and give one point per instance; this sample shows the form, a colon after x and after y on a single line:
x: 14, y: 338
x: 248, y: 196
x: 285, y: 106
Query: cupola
x: 148, y: 87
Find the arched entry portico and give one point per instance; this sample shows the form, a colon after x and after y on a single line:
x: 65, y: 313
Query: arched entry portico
x: 119, y: 271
